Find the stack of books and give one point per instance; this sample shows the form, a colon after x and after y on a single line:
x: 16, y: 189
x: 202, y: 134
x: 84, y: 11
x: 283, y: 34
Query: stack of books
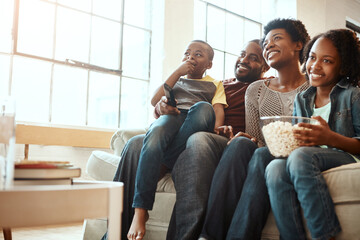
x: 45, y: 173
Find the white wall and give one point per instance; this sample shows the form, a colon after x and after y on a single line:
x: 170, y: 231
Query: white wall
x: 178, y: 32
x: 322, y: 15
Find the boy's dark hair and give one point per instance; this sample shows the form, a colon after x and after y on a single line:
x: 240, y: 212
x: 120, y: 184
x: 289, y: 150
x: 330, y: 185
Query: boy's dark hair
x: 348, y: 46
x: 210, y: 50
x: 295, y: 28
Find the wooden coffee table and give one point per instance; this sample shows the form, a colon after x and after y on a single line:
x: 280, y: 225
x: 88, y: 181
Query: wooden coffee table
x: 30, y: 206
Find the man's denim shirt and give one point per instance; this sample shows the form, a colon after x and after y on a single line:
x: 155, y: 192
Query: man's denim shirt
x: 344, y: 116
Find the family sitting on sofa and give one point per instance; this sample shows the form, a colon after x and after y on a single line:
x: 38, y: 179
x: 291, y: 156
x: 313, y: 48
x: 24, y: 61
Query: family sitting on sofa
x: 234, y: 180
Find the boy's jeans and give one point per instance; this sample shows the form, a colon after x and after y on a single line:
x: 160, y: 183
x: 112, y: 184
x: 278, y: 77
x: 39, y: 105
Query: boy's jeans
x: 164, y: 141
x: 297, y: 183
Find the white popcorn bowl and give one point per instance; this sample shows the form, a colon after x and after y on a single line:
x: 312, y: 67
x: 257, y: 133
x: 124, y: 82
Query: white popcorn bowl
x: 277, y: 131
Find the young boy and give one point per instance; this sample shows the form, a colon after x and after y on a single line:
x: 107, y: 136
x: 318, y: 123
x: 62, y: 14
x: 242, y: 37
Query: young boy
x: 201, y: 102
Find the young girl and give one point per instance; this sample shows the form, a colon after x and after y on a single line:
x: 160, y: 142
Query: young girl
x: 332, y: 65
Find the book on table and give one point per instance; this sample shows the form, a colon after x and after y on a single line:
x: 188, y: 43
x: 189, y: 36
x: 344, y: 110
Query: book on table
x: 54, y: 181
x: 45, y: 172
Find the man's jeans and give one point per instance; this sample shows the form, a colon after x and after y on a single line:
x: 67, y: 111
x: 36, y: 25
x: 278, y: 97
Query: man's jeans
x: 297, y: 183
x: 164, y: 141
x: 192, y: 175
x: 227, y: 187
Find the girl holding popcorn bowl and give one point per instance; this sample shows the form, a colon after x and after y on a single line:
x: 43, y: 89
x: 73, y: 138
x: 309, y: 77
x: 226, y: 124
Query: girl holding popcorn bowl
x: 295, y: 183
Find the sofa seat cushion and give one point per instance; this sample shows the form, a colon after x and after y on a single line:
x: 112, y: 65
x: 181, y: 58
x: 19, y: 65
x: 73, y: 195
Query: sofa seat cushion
x: 342, y: 181
x: 161, y: 213
x: 166, y: 184
x: 344, y: 186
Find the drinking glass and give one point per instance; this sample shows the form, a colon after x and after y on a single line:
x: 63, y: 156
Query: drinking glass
x: 7, y: 141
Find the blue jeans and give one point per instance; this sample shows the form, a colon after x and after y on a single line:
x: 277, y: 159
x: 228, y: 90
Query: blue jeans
x: 164, y: 141
x: 227, y: 187
x: 192, y: 175
x: 253, y: 207
x: 297, y: 183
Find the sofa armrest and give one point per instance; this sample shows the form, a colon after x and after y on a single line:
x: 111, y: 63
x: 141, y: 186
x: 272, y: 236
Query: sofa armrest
x: 120, y: 137
x: 102, y: 166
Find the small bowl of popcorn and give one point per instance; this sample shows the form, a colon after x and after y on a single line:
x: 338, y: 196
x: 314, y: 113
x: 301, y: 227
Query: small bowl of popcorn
x: 278, y: 133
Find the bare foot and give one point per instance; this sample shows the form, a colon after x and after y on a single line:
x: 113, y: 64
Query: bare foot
x: 137, y: 228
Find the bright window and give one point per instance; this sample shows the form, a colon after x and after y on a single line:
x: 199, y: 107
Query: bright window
x: 83, y: 62
x: 31, y: 88
x: 227, y: 25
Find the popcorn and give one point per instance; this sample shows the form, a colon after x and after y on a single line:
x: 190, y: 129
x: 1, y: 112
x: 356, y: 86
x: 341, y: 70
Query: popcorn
x: 280, y: 139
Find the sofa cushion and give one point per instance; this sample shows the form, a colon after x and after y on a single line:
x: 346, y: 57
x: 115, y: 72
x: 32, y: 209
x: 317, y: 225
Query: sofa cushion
x: 102, y: 165
x: 342, y: 181
x: 344, y: 187
x: 120, y: 138
x: 166, y: 184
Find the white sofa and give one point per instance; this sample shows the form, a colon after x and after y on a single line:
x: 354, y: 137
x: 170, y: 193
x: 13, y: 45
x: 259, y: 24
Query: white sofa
x: 343, y: 182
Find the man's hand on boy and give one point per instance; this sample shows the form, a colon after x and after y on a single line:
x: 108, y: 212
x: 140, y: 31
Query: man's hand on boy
x: 226, y: 131
x: 243, y: 134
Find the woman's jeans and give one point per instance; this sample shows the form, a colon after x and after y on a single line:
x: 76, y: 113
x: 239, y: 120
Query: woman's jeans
x: 164, y: 141
x: 254, y: 205
x: 297, y: 184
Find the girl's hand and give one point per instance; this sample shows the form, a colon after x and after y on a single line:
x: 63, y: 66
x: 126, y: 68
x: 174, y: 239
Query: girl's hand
x: 226, y: 131
x: 187, y: 67
x: 242, y: 134
x: 314, y: 134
